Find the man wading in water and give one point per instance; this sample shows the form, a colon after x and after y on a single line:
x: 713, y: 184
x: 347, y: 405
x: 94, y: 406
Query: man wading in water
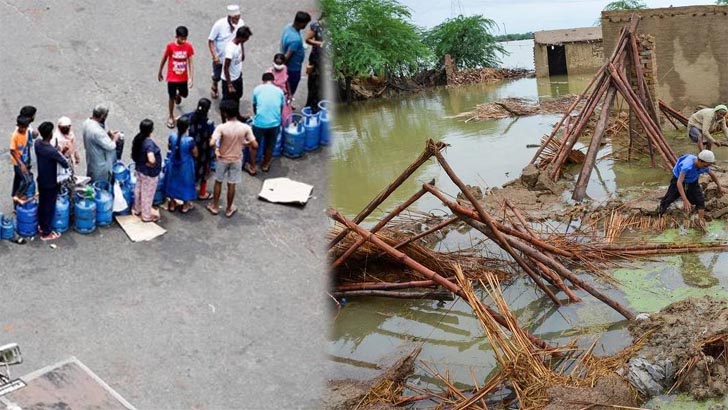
x: 685, y: 185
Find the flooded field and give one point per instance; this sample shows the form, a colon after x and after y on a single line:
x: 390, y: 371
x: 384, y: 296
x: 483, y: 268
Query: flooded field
x: 376, y: 140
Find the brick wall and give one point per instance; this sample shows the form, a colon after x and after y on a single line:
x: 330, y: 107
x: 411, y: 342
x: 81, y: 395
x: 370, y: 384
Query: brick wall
x: 683, y: 51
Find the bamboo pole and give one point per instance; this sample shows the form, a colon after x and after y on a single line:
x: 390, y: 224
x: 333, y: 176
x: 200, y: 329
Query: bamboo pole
x: 561, y: 270
x: 559, y: 283
x: 435, y: 295
x: 640, y: 113
x: 571, y: 108
x: 387, y: 285
x: 500, y: 239
x: 382, y: 222
x: 427, y: 232
x: 591, y: 154
x: 428, y: 273
x: 430, y: 148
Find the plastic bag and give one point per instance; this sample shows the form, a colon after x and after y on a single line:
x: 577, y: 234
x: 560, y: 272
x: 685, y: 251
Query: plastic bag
x: 120, y: 204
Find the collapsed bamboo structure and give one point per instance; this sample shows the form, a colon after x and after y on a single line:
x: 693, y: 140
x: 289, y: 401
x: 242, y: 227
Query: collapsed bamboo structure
x: 611, y: 80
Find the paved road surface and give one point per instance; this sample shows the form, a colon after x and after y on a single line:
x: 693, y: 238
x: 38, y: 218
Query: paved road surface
x: 216, y: 314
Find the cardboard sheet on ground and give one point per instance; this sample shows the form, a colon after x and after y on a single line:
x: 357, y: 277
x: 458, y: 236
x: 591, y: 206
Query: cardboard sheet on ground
x: 285, y: 191
x: 137, y: 230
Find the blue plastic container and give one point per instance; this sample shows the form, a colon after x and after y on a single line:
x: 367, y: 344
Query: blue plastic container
x: 312, y: 127
x: 62, y: 216
x: 132, y: 175
x: 27, y: 219
x: 325, y: 133
x: 120, y: 172
x: 294, y: 137
x: 7, y: 228
x: 104, y: 203
x: 128, y: 192
x: 84, y: 211
x: 159, y: 193
x: 278, y: 148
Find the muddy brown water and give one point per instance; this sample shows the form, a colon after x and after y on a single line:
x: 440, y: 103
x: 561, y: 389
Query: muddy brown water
x: 374, y: 141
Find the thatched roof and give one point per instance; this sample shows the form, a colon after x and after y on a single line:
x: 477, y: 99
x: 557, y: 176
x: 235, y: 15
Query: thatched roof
x: 571, y: 35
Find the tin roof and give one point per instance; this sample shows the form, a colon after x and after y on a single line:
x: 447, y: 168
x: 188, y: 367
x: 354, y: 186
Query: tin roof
x: 571, y: 35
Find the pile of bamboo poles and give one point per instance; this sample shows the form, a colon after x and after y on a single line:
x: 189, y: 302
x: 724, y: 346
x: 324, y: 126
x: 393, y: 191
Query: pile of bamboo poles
x: 672, y: 114
x: 609, y: 81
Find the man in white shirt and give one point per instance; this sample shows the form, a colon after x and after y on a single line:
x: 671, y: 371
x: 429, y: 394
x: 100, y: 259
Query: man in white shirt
x: 232, y: 82
x: 222, y: 31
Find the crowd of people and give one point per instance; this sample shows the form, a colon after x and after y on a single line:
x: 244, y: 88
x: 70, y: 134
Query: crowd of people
x: 196, y: 142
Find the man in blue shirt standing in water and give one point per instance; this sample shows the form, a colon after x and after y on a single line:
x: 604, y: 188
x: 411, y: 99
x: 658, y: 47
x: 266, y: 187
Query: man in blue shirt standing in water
x: 684, y: 183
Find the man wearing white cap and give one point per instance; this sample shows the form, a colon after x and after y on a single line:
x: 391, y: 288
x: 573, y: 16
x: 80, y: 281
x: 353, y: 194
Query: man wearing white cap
x: 65, y: 142
x: 222, y: 31
x: 685, y: 185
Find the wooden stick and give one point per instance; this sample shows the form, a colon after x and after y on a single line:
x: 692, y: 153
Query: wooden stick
x: 561, y: 270
x: 591, y: 154
x: 631, y: 134
x: 382, y: 222
x: 500, y: 240
x: 435, y: 295
x: 430, y: 148
x: 426, y: 272
x: 387, y: 285
x: 427, y: 232
x: 566, y: 115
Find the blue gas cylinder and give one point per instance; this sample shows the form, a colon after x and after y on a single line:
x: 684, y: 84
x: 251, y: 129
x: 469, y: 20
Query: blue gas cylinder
x: 104, y: 200
x: 7, y: 228
x: 120, y: 172
x: 159, y: 193
x: 278, y: 148
x: 128, y: 196
x: 61, y: 218
x: 27, y: 219
x: 312, y: 126
x: 30, y: 191
x: 84, y: 215
x: 132, y: 175
x: 293, y: 137
x: 325, y: 135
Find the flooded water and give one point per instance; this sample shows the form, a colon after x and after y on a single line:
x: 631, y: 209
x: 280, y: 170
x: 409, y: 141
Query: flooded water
x: 374, y: 141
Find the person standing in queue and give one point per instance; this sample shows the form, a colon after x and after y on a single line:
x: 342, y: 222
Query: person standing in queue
x: 201, y: 129
x: 229, y: 139
x: 268, y: 103
x: 147, y: 159
x: 232, y: 84
x: 100, y: 145
x: 222, y: 31
x: 48, y: 159
x: 292, y: 49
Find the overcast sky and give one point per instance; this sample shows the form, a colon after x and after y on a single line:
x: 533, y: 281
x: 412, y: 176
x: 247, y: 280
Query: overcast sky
x: 520, y: 16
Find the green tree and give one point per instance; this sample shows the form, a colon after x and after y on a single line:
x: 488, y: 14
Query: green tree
x: 372, y: 37
x: 721, y: 2
x: 625, y: 5
x: 468, y: 41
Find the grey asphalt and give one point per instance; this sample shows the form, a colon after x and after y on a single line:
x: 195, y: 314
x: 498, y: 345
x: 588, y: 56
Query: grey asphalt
x: 216, y: 314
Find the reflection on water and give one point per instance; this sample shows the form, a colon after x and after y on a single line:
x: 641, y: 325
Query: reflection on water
x: 375, y: 141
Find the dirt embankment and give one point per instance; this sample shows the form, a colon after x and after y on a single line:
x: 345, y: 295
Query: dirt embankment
x: 685, y: 349
x: 384, y: 87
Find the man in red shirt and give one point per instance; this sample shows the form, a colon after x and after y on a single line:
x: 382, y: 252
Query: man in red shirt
x: 179, y: 70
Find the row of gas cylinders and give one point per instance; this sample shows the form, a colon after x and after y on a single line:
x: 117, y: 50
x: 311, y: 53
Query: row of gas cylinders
x: 92, y: 207
x: 302, y: 133
x: 306, y: 132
